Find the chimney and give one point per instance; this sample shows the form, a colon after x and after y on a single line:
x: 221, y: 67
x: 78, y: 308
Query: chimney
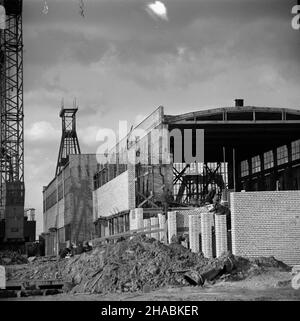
x: 239, y: 102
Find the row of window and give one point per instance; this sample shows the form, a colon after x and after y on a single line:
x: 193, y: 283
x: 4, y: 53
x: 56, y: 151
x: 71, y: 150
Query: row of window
x: 106, y: 174
x: 282, y: 158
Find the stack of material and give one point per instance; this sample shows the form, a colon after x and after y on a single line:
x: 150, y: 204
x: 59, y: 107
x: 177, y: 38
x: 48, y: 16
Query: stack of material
x: 154, y: 226
x: 172, y: 226
x: 139, y: 218
x: 161, y: 222
x: 206, y: 234
x: 221, y: 234
x: 147, y: 225
x: 136, y: 219
x: 194, y: 232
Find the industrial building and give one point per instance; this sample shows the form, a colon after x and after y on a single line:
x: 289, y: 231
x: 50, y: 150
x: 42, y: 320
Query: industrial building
x: 235, y: 151
x: 67, y: 199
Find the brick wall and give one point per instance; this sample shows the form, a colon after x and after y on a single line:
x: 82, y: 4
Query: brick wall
x: 266, y: 224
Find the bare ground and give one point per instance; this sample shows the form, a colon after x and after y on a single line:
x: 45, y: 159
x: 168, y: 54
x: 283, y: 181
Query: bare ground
x: 270, y: 286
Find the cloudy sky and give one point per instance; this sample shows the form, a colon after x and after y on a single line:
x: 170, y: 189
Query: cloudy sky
x: 122, y: 61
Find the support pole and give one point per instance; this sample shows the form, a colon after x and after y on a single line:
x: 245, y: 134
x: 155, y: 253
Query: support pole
x: 234, y: 169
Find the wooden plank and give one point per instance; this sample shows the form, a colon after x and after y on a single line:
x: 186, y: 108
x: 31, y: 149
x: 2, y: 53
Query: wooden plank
x: 128, y: 234
x: 33, y: 284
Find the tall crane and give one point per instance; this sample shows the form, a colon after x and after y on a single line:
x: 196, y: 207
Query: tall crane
x: 11, y: 118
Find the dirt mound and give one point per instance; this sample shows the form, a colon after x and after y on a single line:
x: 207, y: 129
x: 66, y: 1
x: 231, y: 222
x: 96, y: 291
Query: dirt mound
x: 130, y: 265
x: 137, y: 264
x: 248, y: 267
x: 11, y: 258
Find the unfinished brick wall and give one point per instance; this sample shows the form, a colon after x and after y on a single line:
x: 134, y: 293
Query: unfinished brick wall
x: 221, y: 234
x: 194, y: 232
x: 206, y: 234
x: 266, y: 224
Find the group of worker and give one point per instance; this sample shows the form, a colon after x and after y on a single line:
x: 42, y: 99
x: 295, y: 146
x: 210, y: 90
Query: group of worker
x: 75, y: 249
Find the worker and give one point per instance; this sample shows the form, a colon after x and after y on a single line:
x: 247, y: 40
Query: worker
x: 210, y: 196
x: 86, y: 246
x: 165, y: 199
x: 64, y: 252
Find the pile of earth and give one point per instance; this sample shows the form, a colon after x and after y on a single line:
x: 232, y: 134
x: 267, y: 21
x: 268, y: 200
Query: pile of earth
x: 136, y: 264
x: 11, y: 258
x: 41, y: 268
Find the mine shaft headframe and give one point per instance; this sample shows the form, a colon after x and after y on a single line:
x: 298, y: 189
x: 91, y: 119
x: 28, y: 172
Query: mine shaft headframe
x: 69, y: 144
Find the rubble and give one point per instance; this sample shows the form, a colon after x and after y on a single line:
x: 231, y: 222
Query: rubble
x: 140, y: 264
x: 11, y: 258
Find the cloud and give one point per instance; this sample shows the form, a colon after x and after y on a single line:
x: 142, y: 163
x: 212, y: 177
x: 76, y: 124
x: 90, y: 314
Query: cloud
x: 42, y: 131
x: 88, y: 135
x: 157, y: 9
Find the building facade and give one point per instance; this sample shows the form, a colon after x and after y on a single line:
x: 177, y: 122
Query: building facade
x: 68, y: 204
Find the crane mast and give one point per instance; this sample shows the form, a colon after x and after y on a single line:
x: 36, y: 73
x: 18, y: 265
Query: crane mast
x: 12, y: 191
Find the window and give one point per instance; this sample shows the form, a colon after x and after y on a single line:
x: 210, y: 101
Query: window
x: 256, y: 164
x: 51, y: 200
x: 60, y: 191
x: 296, y: 150
x: 244, y: 168
x: 268, y: 159
x: 282, y: 155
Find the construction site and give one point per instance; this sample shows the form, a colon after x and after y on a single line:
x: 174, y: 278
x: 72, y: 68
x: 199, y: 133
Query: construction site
x: 205, y: 201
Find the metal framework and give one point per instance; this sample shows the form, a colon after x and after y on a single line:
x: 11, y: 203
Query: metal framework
x: 69, y: 141
x: 11, y: 97
x: 192, y: 182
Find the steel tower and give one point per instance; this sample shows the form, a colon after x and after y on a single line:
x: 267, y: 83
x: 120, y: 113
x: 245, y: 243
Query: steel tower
x: 11, y: 103
x: 69, y: 141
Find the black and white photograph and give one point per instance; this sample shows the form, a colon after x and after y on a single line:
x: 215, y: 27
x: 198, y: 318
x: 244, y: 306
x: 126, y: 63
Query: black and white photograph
x: 149, y: 154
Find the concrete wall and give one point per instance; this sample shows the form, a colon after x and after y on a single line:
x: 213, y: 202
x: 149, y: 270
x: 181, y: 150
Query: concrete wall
x: 266, y: 224
x: 79, y: 213
x: 112, y: 197
x: 14, y: 210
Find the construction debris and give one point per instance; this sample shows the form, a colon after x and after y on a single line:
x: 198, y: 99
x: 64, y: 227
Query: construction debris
x: 12, y: 257
x: 141, y: 264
